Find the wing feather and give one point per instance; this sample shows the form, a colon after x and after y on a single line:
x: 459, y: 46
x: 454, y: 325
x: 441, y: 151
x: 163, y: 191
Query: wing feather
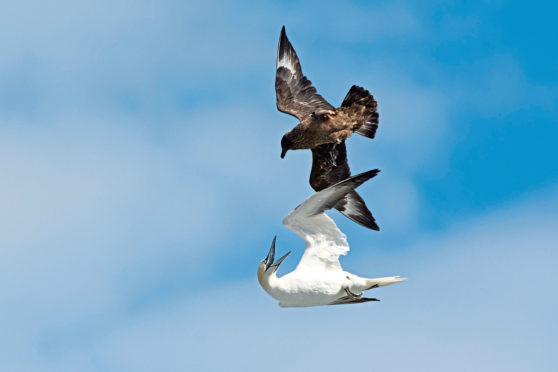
x: 295, y: 94
x: 329, y: 166
x: 324, y: 241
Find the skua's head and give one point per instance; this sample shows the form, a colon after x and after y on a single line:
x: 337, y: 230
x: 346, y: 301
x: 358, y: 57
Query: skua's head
x: 295, y: 139
x: 286, y: 144
x: 268, y: 265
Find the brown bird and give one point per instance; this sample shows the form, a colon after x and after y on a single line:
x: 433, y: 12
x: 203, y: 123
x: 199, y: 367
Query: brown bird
x: 323, y: 128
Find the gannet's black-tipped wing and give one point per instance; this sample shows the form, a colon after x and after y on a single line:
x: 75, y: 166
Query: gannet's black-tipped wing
x: 295, y: 94
x: 324, y: 241
x: 352, y: 300
x: 329, y: 166
x: 328, y: 198
x: 353, y: 207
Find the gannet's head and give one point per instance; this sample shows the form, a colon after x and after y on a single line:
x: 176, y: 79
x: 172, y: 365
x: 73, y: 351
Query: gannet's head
x: 269, y: 266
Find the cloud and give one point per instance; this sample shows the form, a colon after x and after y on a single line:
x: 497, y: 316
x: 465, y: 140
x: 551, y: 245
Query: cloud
x: 88, y: 211
x: 479, y: 297
x: 139, y: 152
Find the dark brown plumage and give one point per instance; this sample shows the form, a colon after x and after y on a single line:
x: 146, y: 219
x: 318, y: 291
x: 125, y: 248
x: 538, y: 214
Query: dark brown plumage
x: 329, y: 166
x: 320, y: 122
x: 323, y: 128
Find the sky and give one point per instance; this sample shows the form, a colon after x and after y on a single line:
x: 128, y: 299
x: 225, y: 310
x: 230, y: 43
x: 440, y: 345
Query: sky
x: 141, y: 185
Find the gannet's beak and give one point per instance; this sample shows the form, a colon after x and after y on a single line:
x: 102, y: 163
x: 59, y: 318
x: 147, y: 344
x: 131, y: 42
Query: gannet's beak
x: 276, y: 264
x: 283, y: 152
x: 269, y: 261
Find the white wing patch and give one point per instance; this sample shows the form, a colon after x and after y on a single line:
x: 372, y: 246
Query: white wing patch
x: 324, y: 241
x: 287, y: 61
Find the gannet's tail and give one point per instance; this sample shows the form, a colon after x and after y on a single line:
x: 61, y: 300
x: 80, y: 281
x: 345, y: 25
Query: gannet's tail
x: 352, y: 298
x: 382, y: 282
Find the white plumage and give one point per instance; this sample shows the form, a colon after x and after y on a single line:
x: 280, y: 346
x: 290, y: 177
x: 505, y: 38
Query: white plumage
x: 319, y: 278
x: 287, y: 60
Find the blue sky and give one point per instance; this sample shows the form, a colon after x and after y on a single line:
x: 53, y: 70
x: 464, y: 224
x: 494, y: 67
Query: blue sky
x: 141, y: 185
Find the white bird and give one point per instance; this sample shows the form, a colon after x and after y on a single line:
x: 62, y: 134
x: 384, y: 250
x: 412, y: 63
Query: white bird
x: 319, y: 279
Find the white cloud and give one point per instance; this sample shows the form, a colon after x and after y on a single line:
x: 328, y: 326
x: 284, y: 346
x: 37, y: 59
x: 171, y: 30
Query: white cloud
x: 102, y: 212
x: 480, y: 298
x: 85, y: 208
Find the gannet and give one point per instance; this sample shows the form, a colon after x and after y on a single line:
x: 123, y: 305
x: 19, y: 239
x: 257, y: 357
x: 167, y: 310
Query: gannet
x: 319, y: 279
x: 323, y: 129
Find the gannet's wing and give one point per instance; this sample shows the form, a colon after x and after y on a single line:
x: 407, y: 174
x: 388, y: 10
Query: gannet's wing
x: 326, y: 172
x: 295, y: 94
x: 324, y: 241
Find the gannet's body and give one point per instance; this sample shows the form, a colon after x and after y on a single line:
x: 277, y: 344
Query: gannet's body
x: 319, y: 279
x: 321, y: 287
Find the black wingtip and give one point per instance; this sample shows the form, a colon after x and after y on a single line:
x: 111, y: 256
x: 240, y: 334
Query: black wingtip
x: 284, y: 44
x: 283, y: 39
x: 354, y: 208
x: 352, y: 300
x: 365, y: 176
x: 357, y: 180
x: 363, y: 221
x: 374, y: 226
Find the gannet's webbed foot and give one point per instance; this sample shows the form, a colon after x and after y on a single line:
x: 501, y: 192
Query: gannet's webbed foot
x: 352, y: 298
x: 352, y: 295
